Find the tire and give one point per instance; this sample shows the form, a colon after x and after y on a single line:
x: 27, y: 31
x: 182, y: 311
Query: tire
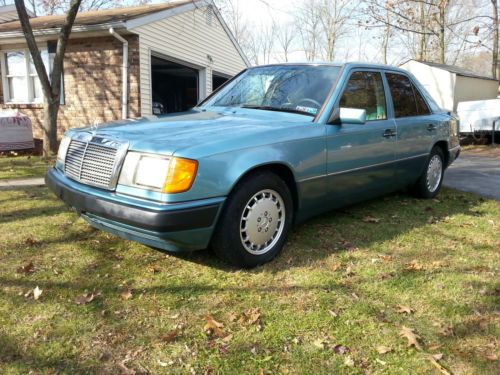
x: 429, y: 183
x: 247, y: 237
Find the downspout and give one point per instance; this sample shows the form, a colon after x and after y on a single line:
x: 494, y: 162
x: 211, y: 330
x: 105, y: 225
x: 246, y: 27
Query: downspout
x: 124, y: 71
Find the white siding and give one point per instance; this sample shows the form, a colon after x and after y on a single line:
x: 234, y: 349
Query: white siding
x: 470, y: 89
x: 438, y: 82
x: 187, y: 37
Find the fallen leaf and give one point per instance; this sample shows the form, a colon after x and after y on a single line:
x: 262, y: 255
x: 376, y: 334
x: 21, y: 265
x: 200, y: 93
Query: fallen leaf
x: 438, y: 356
x: 349, y: 271
x: 348, y: 361
x: 125, y: 370
x: 383, y: 363
x: 126, y: 294
x: 213, y: 327
x: 31, y: 242
x: 320, y: 343
x: 340, y: 349
x: 232, y: 317
x: 446, y: 330
x: 228, y: 338
x: 154, y: 269
x: 333, y: 313
x: 434, y: 347
x: 170, y: 336
x: 161, y: 363
x: 85, y: 298
x: 404, y: 309
x: 491, y: 357
x: 252, y: 315
x: 385, y: 258
x: 414, y: 266
x: 37, y: 292
x: 411, y: 336
x: 371, y: 219
x: 336, y: 266
x: 383, y: 349
x: 26, y: 269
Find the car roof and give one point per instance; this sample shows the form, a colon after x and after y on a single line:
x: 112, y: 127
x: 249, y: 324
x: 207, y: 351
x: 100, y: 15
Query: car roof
x: 350, y: 65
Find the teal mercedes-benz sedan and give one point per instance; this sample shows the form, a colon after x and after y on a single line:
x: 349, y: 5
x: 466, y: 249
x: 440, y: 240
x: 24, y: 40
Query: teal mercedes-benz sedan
x: 274, y: 146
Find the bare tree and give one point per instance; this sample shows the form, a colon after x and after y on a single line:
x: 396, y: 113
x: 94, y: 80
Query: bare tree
x: 233, y: 16
x: 334, y: 15
x: 285, y: 35
x: 308, y: 21
x: 495, y: 64
x: 51, y: 87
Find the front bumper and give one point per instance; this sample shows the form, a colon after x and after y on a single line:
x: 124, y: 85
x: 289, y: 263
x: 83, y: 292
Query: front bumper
x: 174, y: 226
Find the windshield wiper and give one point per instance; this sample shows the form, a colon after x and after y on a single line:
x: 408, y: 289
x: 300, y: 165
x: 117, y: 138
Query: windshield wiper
x: 277, y: 109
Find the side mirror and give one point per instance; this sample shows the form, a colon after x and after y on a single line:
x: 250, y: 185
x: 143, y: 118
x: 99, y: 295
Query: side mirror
x: 352, y: 116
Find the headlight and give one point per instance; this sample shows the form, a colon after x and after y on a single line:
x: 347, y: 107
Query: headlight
x: 63, y: 149
x: 166, y: 174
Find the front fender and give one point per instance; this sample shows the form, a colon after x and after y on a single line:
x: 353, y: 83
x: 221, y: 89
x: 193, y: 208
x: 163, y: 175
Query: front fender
x: 219, y: 173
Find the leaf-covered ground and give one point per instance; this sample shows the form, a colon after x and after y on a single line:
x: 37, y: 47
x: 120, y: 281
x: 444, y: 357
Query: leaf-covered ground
x: 392, y: 286
x: 23, y: 166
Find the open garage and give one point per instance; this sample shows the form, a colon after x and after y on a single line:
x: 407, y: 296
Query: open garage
x: 175, y: 87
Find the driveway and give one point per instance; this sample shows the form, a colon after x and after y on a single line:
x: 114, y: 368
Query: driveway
x: 477, y: 174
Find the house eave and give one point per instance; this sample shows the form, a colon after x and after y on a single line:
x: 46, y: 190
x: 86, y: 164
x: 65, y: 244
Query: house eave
x: 55, y: 31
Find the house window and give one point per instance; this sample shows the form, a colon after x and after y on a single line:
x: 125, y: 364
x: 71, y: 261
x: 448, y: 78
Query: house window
x: 20, y: 80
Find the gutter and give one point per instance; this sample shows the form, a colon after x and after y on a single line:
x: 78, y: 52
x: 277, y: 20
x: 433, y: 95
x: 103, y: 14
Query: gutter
x: 124, y: 71
x: 55, y: 31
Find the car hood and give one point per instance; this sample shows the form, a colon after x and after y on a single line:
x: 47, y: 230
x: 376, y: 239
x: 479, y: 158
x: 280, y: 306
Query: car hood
x: 199, y: 132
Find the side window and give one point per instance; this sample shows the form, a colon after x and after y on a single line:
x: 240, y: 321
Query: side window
x: 403, y: 97
x: 365, y: 90
x: 406, y: 98
x: 422, y: 107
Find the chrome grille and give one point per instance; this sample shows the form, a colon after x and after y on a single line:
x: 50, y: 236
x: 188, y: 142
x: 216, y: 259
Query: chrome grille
x: 91, y: 164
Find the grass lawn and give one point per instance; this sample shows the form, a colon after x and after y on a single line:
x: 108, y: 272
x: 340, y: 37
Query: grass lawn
x: 349, y: 293
x: 23, y: 167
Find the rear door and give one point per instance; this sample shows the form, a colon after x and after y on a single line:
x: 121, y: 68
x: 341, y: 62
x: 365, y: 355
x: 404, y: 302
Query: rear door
x: 360, y: 157
x: 416, y: 127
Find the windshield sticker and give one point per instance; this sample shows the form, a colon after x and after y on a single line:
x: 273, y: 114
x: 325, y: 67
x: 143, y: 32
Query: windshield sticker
x: 310, y: 110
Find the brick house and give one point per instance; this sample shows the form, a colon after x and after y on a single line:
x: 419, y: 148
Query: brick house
x: 176, y: 54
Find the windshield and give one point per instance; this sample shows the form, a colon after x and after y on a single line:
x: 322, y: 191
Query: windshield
x: 299, y: 89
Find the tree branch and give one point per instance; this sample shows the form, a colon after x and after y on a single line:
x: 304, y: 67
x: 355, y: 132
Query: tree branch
x: 62, y: 42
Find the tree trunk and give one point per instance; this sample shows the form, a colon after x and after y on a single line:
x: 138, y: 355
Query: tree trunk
x: 50, y: 111
x: 495, y: 66
x: 442, y: 23
x: 422, y: 36
x: 51, y: 87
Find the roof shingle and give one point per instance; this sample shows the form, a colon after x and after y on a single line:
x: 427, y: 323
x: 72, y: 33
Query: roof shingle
x: 95, y: 17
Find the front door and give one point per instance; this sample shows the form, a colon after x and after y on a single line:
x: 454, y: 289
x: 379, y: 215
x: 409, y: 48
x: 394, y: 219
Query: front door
x: 360, y: 157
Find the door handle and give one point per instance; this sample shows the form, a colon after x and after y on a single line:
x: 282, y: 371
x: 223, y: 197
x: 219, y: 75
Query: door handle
x: 389, y: 133
x: 431, y: 127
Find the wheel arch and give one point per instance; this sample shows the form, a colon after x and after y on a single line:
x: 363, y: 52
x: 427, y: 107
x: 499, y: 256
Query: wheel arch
x: 280, y: 169
x: 443, y: 145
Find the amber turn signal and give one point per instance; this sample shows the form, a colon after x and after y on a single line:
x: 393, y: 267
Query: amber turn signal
x: 180, y: 176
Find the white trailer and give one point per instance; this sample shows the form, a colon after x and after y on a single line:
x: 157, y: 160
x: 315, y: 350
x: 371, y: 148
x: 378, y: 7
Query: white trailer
x: 479, y: 116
